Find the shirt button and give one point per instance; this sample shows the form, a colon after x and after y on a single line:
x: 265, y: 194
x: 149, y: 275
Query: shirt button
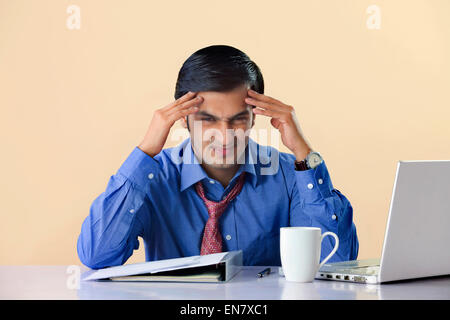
x: 310, y: 185
x: 320, y: 181
x: 151, y: 175
x: 131, y: 210
x: 333, y: 217
x: 211, y: 181
x: 228, y: 237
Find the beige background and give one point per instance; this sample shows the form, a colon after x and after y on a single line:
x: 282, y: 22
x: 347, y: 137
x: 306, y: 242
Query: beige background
x: 74, y: 103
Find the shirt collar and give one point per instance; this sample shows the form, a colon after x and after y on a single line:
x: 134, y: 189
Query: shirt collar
x: 191, y: 171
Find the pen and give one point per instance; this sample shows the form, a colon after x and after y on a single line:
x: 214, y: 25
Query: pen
x: 263, y: 273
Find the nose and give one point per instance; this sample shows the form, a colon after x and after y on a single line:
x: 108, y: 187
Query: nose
x: 227, y: 133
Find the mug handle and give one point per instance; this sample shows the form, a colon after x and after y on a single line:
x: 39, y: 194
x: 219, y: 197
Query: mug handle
x: 336, y: 246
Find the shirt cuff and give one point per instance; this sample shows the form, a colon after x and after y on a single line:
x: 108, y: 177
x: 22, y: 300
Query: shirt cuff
x: 314, y: 184
x: 140, y: 168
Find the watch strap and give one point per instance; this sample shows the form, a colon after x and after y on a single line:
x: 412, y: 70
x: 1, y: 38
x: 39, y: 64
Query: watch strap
x: 301, y: 165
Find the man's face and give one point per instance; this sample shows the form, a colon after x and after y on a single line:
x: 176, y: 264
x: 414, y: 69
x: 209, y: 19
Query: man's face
x: 220, y: 128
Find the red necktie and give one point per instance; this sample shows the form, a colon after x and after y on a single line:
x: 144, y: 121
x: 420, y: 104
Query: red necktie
x: 212, y: 239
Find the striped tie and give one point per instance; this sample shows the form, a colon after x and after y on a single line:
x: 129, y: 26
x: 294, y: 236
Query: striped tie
x: 212, y: 239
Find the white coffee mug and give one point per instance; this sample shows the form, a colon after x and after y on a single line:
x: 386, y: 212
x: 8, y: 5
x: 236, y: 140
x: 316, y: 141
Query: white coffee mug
x: 300, y: 252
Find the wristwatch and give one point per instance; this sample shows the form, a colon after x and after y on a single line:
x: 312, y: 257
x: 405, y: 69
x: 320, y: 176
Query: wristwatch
x: 312, y: 160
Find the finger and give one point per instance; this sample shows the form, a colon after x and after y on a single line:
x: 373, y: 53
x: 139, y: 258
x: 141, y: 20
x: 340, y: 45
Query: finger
x: 193, y: 102
x: 180, y: 100
x: 262, y: 97
x: 281, y: 116
x: 182, y: 113
x: 264, y: 105
x: 267, y: 112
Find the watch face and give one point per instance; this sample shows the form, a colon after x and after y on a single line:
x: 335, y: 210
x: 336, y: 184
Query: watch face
x: 314, y: 159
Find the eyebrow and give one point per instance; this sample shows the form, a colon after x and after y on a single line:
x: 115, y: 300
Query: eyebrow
x: 204, y: 113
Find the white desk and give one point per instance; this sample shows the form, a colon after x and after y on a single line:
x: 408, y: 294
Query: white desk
x: 50, y: 282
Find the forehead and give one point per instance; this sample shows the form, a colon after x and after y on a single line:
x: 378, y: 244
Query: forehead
x: 224, y: 104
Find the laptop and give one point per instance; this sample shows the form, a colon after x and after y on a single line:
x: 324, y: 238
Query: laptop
x: 417, y: 237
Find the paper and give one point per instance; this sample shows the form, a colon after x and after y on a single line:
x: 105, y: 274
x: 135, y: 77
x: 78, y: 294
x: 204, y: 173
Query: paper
x: 156, y: 266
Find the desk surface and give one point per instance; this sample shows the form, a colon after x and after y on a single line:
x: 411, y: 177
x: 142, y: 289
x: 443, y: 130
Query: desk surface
x: 59, y: 282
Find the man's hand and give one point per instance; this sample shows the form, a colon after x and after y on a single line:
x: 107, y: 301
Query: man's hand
x: 284, y: 119
x: 164, y: 118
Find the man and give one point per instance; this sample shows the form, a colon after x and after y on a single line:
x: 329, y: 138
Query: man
x: 218, y: 190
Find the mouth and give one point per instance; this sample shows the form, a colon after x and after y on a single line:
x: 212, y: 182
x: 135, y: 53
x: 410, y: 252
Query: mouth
x: 223, y: 150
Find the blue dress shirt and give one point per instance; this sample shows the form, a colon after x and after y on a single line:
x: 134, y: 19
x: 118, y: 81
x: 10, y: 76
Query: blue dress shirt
x: 155, y: 198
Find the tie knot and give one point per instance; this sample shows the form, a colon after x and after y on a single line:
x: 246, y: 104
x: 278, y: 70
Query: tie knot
x: 216, y: 208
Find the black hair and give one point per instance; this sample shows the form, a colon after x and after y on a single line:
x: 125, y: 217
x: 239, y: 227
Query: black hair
x: 219, y: 68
